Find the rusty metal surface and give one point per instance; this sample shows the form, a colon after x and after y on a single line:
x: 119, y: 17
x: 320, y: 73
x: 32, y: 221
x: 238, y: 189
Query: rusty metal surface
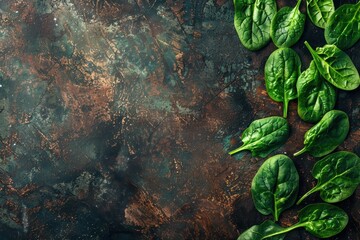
x: 117, y: 115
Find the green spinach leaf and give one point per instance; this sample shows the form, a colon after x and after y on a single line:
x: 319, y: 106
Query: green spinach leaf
x: 252, y: 22
x: 315, y: 95
x: 326, y: 135
x: 319, y: 11
x: 275, y: 186
x: 338, y: 176
x: 264, y: 136
x: 282, y: 70
x: 321, y: 220
x: 342, y: 28
x: 287, y: 26
x: 262, y: 231
x: 335, y: 66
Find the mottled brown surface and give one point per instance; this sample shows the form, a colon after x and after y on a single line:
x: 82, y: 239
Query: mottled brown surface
x: 117, y: 116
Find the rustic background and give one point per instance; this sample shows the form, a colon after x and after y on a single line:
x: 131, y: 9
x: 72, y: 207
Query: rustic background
x: 117, y: 116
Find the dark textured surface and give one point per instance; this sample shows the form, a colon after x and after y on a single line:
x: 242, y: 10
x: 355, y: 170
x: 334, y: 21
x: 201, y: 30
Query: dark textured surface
x: 117, y: 115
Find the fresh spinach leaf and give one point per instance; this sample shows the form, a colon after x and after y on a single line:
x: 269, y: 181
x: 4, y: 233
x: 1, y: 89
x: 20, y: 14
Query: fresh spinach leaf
x: 315, y: 95
x: 264, y: 136
x: 287, y: 26
x: 319, y: 11
x: 252, y: 22
x: 275, y: 186
x: 338, y: 176
x: 262, y: 231
x: 335, y: 66
x: 322, y: 220
x: 326, y: 135
x: 282, y: 70
x: 342, y: 28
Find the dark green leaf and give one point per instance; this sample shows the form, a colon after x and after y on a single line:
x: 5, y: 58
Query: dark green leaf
x: 319, y: 11
x: 335, y: 66
x: 315, y: 95
x: 262, y: 231
x: 322, y: 219
x: 338, y: 176
x: 327, y: 134
x: 282, y: 70
x: 342, y: 28
x: 275, y: 185
x: 264, y: 136
x: 287, y: 26
x: 252, y: 22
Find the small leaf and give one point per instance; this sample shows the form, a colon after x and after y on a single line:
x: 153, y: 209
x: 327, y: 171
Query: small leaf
x: 259, y: 232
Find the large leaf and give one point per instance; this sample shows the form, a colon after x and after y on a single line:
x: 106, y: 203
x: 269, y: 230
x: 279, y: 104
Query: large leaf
x: 252, y: 22
x: 335, y: 66
x: 323, y: 220
x: 264, y: 136
x: 282, y: 70
x: 275, y: 186
x: 343, y: 26
x: 319, y: 11
x: 315, y: 95
x: 327, y: 134
x: 287, y: 26
x: 262, y: 231
x: 338, y: 176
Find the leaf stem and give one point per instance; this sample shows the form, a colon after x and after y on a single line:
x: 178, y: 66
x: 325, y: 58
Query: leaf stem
x: 239, y: 149
x: 300, y: 152
x: 288, y: 229
x: 298, y: 4
x: 285, y: 108
x: 315, y: 189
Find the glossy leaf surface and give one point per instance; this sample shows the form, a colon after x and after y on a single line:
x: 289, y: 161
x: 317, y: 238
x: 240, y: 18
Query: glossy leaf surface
x: 338, y: 176
x: 326, y: 135
x: 343, y: 26
x: 315, y: 95
x: 262, y: 231
x: 252, y: 22
x: 282, y: 70
x: 264, y: 136
x: 275, y: 186
x: 319, y: 11
x: 335, y: 66
x: 287, y: 26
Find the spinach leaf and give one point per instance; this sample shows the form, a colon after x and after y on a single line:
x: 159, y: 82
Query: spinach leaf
x: 287, y: 26
x: 335, y: 66
x: 275, y: 186
x: 326, y: 135
x: 252, y: 22
x: 282, y: 70
x: 321, y: 220
x: 264, y: 136
x: 315, y: 95
x: 342, y: 28
x: 319, y: 11
x: 338, y: 176
x: 262, y: 231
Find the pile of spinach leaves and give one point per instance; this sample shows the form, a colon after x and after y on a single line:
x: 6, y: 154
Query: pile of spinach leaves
x: 275, y: 186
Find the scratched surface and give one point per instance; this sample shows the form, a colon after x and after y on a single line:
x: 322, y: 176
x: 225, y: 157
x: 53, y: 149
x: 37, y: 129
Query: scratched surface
x: 117, y: 115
